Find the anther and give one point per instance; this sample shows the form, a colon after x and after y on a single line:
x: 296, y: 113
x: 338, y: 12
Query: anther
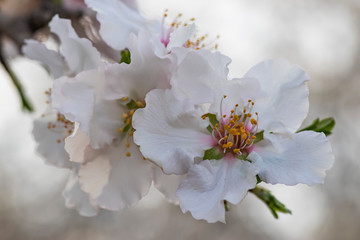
x: 124, y: 99
x: 128, y: 154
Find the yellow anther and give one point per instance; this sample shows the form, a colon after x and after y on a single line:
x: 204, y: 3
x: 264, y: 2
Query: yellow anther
x: 249, y: 100
x: 253, y: 137
x: 220, y: 130
x: 124, y: 99
x: 58, y: 141
x: 131, y: 133
x: 227, y: 127
x: 236, y: 105
x: 132, y: 112
x: 139, y: 104
x: 127, y: 144
x: 249, y: 115
x: 120, y: 130
x: 173, y: 24
x: 224, y: 145
x: 125, y: 115
x: 192, y: 19
x: 236, y: 117
x: 144, y: 158
x: 128, y: 121
x: 217, y: 125
x: 232, y: 111
x: 230, y: 144
x: 256, y: 113
x: 236, y: 150
x: 244, y: 110
x: 252, y: 103
x: 248, y: 142
x: 253, y: 121
x: 226, y: 137
x: 232, y: 131
x: 180, y: 14
x: 165, y: 15
x: 244, y: 136
x: 224, y: 116
x: 128, y: 154
x: 225, y: 96
x: 203, y: 117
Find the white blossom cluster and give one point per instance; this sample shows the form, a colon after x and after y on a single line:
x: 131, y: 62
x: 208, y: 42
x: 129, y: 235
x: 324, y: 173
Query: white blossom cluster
x: 170, y: 116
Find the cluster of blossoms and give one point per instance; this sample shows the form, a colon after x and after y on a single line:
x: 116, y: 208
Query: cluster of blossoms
x: 160, y: 108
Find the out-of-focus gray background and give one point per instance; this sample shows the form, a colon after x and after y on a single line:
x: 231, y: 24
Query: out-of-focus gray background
x: 322, y: 36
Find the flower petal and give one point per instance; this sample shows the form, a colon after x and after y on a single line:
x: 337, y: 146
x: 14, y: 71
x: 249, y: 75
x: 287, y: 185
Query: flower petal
x: 81, y: 99
x: 198, y: 74
x: 170, y: 132
x: 51, y: 59
x: 115, y: 17
x: 167, y: 184
x: 78, y: 52
x: 180, y: 35
x: 284, y: 86
x: 209, y: 183
x: 146, y: 71
x: 49, y: 141
x: 114, y: 180
x: 301, y: 158
x: 77, y: 198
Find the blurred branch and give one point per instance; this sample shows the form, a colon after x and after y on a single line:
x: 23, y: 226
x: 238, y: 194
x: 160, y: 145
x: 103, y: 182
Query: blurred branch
x: 19, y: 28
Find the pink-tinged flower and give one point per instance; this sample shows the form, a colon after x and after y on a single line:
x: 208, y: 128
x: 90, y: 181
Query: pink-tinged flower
x: 102, y: 102
x: 116, y: 17
x: 225, y: 127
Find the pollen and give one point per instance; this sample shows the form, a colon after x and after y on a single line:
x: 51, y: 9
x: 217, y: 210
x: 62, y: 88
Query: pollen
x: 124, y: 99
x: 120, y: 130
x: 128, y: 154
x: 235, y: 134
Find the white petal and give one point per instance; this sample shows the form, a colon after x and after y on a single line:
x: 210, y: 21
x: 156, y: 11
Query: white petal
x: 50, y: 144
x: 170, y: 132
x: 237, y: 91
x: 78, y: 52
x: 77, y: 145
x: 74, y: 99
x: 128, y: 179
x: 77, y: 198
x: 209, y: 183
x: 81, y: 99
x: 51, y: 59
x: 180, y: 35
x: 115, y: 17
x: 285, y: 104
x: 167, y: 184
x: 146, y: 71
x: 94, y: 175
x: 199, y: 74
x: 301, y: 158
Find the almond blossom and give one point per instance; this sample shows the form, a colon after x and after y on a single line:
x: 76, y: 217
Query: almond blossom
x: 224, y: 133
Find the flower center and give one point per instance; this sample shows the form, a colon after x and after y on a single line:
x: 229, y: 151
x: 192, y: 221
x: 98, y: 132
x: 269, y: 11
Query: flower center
x: 194, y: 42
x: 127, y: 130
x: 235, y: 132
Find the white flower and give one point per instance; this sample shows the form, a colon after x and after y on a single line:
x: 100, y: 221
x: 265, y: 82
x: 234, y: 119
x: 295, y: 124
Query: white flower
x: 102, y: 102
x: 115, y: 17
x: 273, y: 98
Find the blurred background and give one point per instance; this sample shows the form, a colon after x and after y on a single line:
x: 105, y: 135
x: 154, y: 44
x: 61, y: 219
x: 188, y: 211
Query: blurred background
x: 322, y: 36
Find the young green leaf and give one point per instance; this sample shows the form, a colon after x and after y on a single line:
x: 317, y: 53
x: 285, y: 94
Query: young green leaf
x: 213, y: 153
x: 326, y: 125
x: 270, y: 200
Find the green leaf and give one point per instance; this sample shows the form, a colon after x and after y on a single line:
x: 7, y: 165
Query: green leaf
x: 258, y: 179
x: 125, y: 56
x: 213, y: 153
x: 270, y: 200
x: 259, y: 136
x: 326, y: 126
